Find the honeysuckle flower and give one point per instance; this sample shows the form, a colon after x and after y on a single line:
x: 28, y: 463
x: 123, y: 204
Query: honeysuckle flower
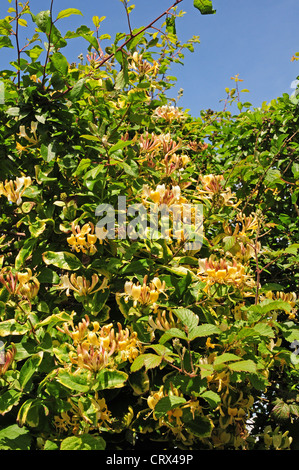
x: 169, y: 146
x: 145, y: 294
x: 224, y: 272
x: 33, y: 140
x: 143, y: 66
x: 197, y: 146
x: 80, y: 284
x: 162, y: 195
x: 76, y: 419
x: 212, y: 188
x: 83, y: 239
x: 209, y: 344
x: 9, y: 356
x: 98, y: 347
x: 149, y: 143
x: 289, y: 297
x: 169, y: 113
x: 13, y: 190
x: 162, y: 321
x: 23, y: 284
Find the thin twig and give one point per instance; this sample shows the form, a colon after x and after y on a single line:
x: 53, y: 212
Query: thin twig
x: 49, y: 43
x: 132, y: 36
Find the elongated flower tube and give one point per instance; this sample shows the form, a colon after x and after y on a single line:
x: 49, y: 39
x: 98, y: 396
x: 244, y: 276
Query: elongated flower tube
x: 22, y: 284
x: 145, y: 294
x: 13, y: 190
x: 8, y: 359
x: 224, y: 272
x: 83, y: 239
x: 80, y: 284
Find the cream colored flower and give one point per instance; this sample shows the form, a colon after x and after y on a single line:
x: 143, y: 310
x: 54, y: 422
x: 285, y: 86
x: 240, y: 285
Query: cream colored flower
x: 83, y: 239
x: 13, y: 190
x: 145, y: 294
x: 80, y: 284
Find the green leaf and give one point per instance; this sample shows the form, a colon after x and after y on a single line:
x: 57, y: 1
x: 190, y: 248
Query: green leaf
x: 120, y: 145
x: 5, y: 42
x: 187, y: 317
x: 149, y: 361
x: 107, y: 379
x: 281, y: 410
x: 43, y: 20
x: 203, y: 330
x: 204, y: 6
x: 62, y: 259
x: 200, y: 426
x: 226, y: 357
x: 264, y: 330
x: 168, y: 403
x: 173, y: 333
x: 25, y: 252
x: 83, y: 442
x: 59, y: 63
x: 9, y: 399
x: 77, y: 90
x: 47, y: 152
x: 212, y: 398
x: 295, y: 170
x: 29, y: 368
x: 121, y: 80
x: 12, y: 327
x: 243, y: 366
x: 170, y: 25
x: 29, y: 413
x: 15, y: 438
x: 68, y: 12
x: 78, y: 383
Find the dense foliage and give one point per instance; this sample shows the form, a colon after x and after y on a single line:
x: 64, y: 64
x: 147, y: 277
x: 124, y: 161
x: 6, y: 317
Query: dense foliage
x: 124, y: 342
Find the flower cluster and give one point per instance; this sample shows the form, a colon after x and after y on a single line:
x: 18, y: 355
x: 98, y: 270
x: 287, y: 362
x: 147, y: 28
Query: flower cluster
x: 77, y: 420
x: 163, y: 195
x: 95, y: 345
x: 145, y: 294
x: 80, y: 284
x: 213, y: 188
x: 172, y: 419
x: 9, y: 356
x: 169, y: 113
x: 224, y: 272
x: 13, y: 190
x: 142, y: 66
x: 22, y: 284
x: 290, y: 298
x: 163, y: 321
x: 245, y: 228
x: 83, y: 239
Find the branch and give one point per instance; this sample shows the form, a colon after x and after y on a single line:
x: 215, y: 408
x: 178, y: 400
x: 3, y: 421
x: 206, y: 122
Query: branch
x: 49, y: 44
x: 132, y: 36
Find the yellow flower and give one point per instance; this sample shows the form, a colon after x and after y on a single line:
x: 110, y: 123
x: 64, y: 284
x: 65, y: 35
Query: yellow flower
x: 213, y: 188
x: 145, y: 294
x: 209, y: 344
x: 169, y: 113
x: 13, y: 190
x: 100, y: 347
x: 83, y: 239
x: 80, y: 284
x: 224, y: 272
x: 22, y: 284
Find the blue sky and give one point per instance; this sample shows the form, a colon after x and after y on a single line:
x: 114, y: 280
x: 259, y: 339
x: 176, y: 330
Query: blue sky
x: 253, y: 38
